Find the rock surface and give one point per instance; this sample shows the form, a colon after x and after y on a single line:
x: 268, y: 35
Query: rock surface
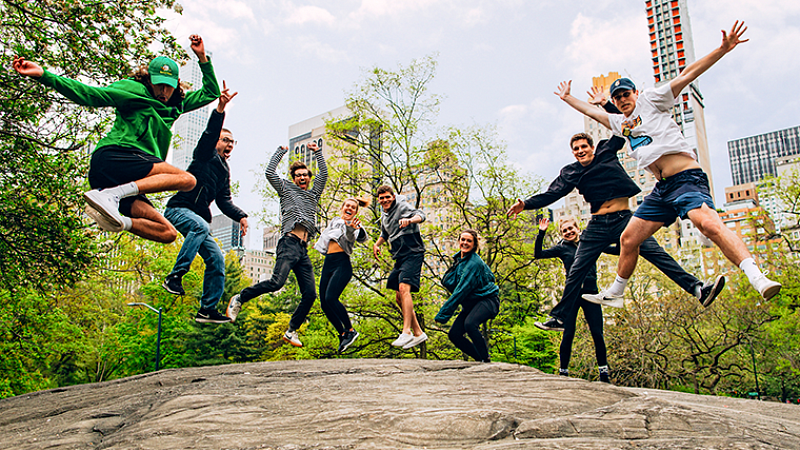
x: 387, y: 404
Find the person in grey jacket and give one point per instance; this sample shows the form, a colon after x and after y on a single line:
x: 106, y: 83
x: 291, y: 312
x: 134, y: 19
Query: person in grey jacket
x: 400, y: 227
x: 471, y: 284
x: 336, y: 243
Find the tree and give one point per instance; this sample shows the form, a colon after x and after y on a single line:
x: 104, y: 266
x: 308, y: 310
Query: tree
x: 45, y: 140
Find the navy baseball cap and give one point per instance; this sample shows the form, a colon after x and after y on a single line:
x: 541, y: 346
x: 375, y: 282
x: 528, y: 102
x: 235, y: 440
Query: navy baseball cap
x: 621, y: 84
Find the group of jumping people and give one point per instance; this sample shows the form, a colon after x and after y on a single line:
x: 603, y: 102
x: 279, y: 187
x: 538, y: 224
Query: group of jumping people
x: 129, y: 163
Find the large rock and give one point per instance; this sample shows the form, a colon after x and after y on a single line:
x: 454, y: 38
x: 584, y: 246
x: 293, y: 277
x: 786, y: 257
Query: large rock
x: 392, y: 404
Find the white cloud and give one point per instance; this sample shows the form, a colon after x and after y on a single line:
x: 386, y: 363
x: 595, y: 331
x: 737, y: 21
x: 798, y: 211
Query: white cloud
x: 598, y: 45
x: 311, y: 45
x: 310, y: 14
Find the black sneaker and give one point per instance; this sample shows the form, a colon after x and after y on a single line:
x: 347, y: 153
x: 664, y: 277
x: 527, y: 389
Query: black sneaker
x: 211, y: 316
x: 347, y: 339
x: 173, y: 285
x: 552, y: 324
x: 604, y: 377
x: 710, y: 291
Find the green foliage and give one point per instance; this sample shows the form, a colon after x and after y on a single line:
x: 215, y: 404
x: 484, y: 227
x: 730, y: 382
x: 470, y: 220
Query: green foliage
x: 45, y: 140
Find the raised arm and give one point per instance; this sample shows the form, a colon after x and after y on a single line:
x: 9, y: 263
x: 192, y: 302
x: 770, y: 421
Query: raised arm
x: 207, y: 145
x: 695, y: 69
x: 581, y: 106
x: 198, y: 47
x: 322, y: 168
x: 272, y: 168
x: 210, y: 89
x: 76, y: 91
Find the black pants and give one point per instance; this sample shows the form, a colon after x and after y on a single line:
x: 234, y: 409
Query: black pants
x: 593, y: 313
x: 336, y: 273
x: 602, y: 231
x: 468, y: 322
x: 291, y: 254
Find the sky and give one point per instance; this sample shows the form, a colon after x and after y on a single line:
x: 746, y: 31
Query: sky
x: 500, y: 62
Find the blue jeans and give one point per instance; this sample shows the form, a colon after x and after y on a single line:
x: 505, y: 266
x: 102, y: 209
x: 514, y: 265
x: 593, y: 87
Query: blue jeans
x: 197, y: 239
x: 291, y: 254
x: 605, y: 230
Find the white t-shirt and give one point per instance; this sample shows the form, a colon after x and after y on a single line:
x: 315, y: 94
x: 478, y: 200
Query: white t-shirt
x: 650, y: 130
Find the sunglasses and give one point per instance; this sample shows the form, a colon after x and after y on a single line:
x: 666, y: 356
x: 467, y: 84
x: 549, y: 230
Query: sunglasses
x: 625, y: 94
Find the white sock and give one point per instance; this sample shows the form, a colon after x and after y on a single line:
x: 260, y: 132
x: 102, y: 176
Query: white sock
x: 618, y: 287
x: 124, y: 190
x: 750, y: 268
x: 127, y: 223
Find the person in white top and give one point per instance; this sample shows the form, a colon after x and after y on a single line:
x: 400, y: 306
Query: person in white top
x: 336, y: 243
x: 658, y: 146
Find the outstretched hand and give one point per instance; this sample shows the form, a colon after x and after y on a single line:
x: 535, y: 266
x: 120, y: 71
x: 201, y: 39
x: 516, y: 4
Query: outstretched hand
x: 597, y: 96
x: 516, y: 208
x: 198, y: 47
x: 27, y: 68
x: 732, y: 39
x: 225, y: 97
x: 564, y: 89
x: 543, y: 223
x: 312, y: 146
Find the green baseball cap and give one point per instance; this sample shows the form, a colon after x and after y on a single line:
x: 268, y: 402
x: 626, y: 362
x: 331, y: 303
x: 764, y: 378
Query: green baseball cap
x: 163, y: 70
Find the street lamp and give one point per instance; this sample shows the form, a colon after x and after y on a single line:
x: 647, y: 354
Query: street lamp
x: 158, y: 338
x: 755, y: 371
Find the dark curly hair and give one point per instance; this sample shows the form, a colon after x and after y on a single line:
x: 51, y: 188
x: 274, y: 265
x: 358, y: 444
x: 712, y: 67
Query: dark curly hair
x: 143, y: 76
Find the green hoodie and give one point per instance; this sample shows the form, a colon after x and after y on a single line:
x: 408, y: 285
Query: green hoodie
x: 142, y: 122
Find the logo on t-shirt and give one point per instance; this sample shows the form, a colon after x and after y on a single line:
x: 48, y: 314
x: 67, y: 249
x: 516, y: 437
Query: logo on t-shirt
x: 635, y: 141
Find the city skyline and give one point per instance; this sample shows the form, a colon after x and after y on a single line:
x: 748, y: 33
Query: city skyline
x: 498, y: 64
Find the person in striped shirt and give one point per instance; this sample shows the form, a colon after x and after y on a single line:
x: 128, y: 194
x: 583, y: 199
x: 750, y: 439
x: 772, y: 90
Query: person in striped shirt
x: 298, y: 200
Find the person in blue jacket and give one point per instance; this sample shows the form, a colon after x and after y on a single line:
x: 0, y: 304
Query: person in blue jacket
x: 471, y: 285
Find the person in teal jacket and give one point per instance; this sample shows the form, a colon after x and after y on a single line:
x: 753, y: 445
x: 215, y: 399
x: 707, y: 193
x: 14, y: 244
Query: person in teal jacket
x: 129, y: 161
x: 471, y: 285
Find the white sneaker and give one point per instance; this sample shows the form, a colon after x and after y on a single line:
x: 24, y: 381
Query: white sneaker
x: 105, y: 204
x: 416, y: 340
x: 766, y: 287
x: 101, y: 221
x: 234, y: 307
x: 292, y: 338
x: 403, y: 339
x: 605, y: 299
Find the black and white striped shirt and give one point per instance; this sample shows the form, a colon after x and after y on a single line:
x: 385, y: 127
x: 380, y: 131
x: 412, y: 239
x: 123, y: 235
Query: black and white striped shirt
x: 298, y: 206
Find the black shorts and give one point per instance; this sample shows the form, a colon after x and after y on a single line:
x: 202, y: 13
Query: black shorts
x: 407, y: 269
x: 111, y: 166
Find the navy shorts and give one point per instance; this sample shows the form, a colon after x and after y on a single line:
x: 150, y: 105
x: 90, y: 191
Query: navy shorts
x: 111, y: 166
x: 675, y: 196
x: 407, y: 269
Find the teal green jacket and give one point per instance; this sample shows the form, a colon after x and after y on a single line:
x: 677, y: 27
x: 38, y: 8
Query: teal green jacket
x: 142, y: 122
x: 468, y: 278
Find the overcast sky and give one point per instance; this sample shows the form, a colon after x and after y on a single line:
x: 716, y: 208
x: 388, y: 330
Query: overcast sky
x: 499, y: 63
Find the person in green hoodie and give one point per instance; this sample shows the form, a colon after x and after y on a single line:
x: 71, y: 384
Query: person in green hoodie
x: 471, y: 284
x: 129, y: 161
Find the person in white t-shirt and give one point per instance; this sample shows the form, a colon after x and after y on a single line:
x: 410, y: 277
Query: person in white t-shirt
x: 658, y: 146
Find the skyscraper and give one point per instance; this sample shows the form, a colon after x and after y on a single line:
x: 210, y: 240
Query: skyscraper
x: 672, y: 50
x: 227, y: 232
x: 754, y: 157
x: 189, y: 126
